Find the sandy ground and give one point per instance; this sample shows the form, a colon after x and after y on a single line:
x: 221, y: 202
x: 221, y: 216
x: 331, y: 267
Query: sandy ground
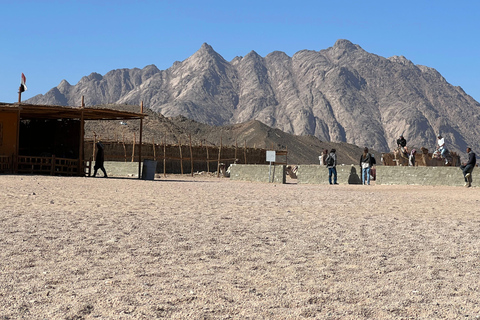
x: 210, y: 248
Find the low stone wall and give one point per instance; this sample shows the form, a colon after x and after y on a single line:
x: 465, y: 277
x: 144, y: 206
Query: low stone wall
x: 258, y: 172
x: 386, y: 175
x: 317, y: 174
x: 445, y: 176
x: 119, y: 169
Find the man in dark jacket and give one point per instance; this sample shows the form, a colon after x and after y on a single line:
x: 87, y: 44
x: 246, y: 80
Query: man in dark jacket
x: 402, y: 146
x: 99, y: 159
x: 468, y: 167
x: 401, y: 142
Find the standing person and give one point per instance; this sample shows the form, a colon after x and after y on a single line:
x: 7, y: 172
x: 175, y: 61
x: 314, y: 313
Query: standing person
x: 411, y: 158
x: 365, y: 164
x: 373, y: 169
x: 323, y: 158
x: 331, y: 163
x: 99, y: 159
x: 468, y: 167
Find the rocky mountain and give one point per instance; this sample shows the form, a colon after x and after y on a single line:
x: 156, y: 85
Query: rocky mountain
x: 340, y: 94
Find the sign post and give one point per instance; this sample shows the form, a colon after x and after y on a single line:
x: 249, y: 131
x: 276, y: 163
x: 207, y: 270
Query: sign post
x: 270, y: 158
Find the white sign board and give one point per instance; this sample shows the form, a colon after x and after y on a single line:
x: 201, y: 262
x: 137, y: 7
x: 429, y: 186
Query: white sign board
x: 271, y: 156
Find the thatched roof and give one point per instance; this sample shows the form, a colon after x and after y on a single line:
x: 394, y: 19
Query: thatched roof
x: 32, y: 111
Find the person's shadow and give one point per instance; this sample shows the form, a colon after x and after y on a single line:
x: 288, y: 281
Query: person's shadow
x: 353, y: 177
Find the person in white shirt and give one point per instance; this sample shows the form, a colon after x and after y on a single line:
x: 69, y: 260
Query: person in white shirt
x: 441, y: 147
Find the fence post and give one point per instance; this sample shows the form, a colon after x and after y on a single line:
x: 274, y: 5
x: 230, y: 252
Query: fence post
x: 218, y: 162
x: 191, y: 153
x: 181, y: 156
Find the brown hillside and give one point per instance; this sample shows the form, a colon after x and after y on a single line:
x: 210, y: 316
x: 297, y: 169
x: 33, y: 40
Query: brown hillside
x: 175, y: 130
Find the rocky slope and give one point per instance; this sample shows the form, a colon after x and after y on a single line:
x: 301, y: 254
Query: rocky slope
x: 340, y: 94
x: 253, y: 133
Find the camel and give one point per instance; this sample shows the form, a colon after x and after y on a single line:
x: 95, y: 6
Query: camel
x: 292, y: 171
x: 400, y: 158
x: 395, y: 158
x: 430, y: 161
x: 421, y: 159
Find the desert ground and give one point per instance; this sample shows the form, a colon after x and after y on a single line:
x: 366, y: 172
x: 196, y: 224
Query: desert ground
x: 202, y: 247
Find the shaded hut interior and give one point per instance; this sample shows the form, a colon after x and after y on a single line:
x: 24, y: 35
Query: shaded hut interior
x: 39, y: 139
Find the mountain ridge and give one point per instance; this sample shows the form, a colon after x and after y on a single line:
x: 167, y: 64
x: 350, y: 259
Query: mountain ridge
x: 339, y: 94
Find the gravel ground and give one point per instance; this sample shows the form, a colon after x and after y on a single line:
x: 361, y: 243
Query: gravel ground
x: 210, y: 248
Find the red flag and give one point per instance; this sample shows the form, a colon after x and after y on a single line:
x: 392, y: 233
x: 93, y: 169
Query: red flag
x: 23, y: 86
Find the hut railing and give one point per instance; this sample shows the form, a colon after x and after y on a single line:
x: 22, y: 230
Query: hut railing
x: 5, y: 164
x: 47, y: 165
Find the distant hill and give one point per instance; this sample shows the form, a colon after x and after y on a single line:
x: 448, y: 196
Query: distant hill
x: 340, y: 94
x: 301, y: 149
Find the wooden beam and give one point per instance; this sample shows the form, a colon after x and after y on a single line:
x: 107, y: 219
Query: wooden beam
x: 140, y: 144
x: 164, y: 155
x: 81, y: 169
x: 218, y: 161
x: 191, y: 154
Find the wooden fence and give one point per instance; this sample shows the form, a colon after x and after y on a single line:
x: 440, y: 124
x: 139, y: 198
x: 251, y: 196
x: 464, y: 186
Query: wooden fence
x: 181, y: 158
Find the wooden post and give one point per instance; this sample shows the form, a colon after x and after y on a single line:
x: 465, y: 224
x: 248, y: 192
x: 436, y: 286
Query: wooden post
x: 124, y: 148
x: 191, y: 153
x: 218, y: 162
x: 245, y: 152
x: 52, y: 166
x: 154, y: 153
x: 140, y: 144
x: 81, y: 168
x: 236, y: 146
x: 17, y: 151
x: 164, y: 155
x: 181, y: 157
x: 133, y: 147
x: 17, y: 143
x: 208, y: 161
x: 94, y: 144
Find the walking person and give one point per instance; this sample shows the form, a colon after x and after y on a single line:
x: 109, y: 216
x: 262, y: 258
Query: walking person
x: 365, y: 164
x: 331, y: 163
x: 468, y: 167
x: 99, y: 160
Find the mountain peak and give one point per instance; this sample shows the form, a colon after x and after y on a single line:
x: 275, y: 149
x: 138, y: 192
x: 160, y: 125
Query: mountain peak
x: 206, y: 48
x: 253, y: 55
x: 345, y: 45
x: 63, y: 83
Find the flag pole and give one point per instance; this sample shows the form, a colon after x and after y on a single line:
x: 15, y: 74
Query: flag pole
x: 22, y: 88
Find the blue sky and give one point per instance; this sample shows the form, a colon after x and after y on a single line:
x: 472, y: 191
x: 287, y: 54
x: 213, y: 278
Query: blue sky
x: 54, y: 40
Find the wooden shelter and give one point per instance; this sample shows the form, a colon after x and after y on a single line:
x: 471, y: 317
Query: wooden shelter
x: 41, y: 139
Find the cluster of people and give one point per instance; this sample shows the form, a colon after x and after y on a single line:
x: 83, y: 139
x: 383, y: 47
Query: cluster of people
x: 367, y: 160
x: 442, y: 152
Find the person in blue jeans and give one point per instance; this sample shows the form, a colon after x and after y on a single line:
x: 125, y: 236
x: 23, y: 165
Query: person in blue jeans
x: 365, y: 164
x: 331, y: 163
